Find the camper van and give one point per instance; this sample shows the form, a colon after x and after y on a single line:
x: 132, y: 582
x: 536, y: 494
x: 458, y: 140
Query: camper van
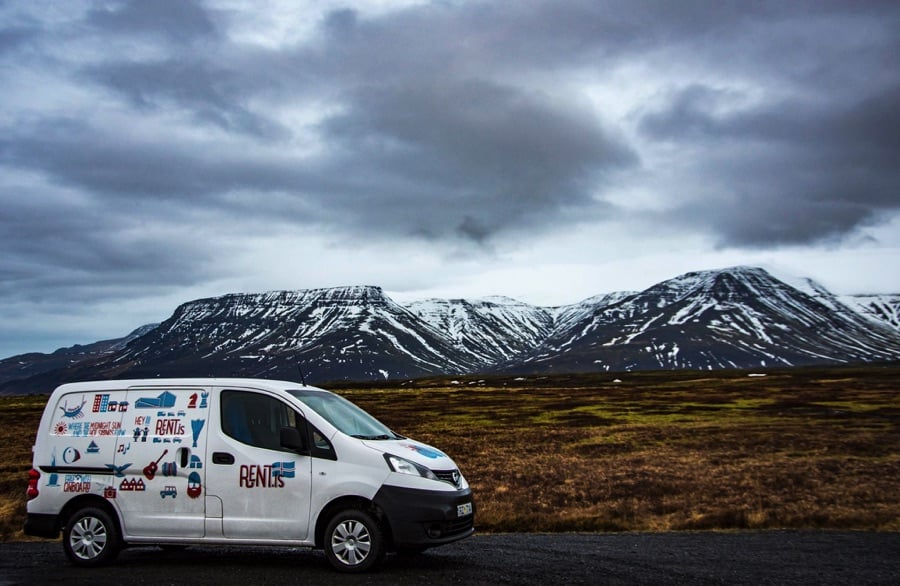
x: 235, y: 462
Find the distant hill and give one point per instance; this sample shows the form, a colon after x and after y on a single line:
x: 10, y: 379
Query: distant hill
x: 739, y: 317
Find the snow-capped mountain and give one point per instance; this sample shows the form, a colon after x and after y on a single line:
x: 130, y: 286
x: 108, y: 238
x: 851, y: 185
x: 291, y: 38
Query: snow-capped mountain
x: 491, y: 330
x: 740, y: 317
x: 883, y: 309
x: 737, y: 317
x: 338, y: 333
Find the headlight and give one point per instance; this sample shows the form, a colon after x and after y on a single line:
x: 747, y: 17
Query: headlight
x: 404, y: 466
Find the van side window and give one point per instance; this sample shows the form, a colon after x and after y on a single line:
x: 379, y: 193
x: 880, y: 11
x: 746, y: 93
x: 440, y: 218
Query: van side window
x: 256, y: 419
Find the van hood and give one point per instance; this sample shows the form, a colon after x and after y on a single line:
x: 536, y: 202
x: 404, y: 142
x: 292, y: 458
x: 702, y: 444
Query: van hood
x: 431, y: 458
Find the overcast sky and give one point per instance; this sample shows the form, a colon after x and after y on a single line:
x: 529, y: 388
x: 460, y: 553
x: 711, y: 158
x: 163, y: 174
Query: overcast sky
x: 156, y: 152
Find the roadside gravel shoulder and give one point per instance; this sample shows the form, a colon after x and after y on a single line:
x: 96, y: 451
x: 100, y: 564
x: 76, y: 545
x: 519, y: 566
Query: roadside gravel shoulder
x: 767, y: 557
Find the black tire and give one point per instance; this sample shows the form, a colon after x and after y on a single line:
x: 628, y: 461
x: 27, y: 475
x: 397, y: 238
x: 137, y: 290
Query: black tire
x: 91, y: 538
x: 354, y: 541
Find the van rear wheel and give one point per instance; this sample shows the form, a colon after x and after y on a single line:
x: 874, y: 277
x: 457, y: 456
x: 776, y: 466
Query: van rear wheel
x: 354, y: 541
x: 91, y: 538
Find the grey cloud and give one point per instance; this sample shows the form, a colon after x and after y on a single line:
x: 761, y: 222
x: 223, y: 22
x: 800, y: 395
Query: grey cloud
x: 473, y: 158
x: 212, y: 93
x: 804, y: 148
x: 450, y: 122
x: 790, y: 172
x: 414, y: 150
x: 56, y: 246
x: 110, y: 163
x: 178, y: 20
x: 14, y: 38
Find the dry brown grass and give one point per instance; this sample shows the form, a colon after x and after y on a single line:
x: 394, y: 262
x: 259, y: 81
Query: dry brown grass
x: 667, y: 451
x: 805, y: 448
x: 19, y: 419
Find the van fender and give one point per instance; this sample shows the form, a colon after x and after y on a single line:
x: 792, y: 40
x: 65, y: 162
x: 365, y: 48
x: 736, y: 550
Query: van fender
x: 91, y: 500
x: 341, y: 503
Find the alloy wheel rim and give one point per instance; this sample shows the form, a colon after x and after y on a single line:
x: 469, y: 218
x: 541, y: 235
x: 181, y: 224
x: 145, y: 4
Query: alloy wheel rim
x: 88, y: 538
x: 351, y: 542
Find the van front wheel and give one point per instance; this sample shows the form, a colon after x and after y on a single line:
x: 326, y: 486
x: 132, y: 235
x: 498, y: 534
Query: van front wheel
x: 354, y: 541
x: 91, y: 538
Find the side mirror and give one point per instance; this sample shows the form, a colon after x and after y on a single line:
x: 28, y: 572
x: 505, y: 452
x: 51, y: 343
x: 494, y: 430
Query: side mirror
x: 292, y: 440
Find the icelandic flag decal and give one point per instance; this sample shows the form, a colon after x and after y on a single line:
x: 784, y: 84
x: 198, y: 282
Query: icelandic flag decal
x: 283, y: 469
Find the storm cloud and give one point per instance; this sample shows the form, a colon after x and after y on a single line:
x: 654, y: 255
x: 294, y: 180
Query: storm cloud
x: 139, y: 140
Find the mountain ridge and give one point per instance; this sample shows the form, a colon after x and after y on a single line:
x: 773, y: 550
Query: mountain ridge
x: 722, y: 318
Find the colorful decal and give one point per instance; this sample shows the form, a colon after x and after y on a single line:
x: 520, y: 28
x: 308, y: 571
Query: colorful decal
x: 140, y: 434
x: 168, y: 440
x: 132, y: 485
x: 123, y: 448
x: 169, y: 427
x: 77, y: 483
x: 164, y: 400
x: 118, y: 471
x: 109, y: 492
x: 285, y: 469
x: 192, y: 401
x: 169, y: 469
x: 54, y: 477
x: 70, y: 455
x: 196, y: 426
x: 196, y: 462
x: 73, y: 412
x: 194, y: 488
x: 168, y: 491
x: 78, y: 428
x: 268, y: 476
x: 102, y: 404
x: 106, y: 428
x: 180, y: 413
x: 150, y: 469
x: 427, y: 452
x: 93, y: 448
x: 88, y: 428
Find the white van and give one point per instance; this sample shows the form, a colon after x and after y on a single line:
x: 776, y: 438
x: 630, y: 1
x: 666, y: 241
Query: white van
x: 235, y: 461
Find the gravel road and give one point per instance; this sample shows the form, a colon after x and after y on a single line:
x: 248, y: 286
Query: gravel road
x: 770, y: 557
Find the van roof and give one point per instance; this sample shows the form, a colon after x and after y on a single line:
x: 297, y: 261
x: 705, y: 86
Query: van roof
x: 100, y: 385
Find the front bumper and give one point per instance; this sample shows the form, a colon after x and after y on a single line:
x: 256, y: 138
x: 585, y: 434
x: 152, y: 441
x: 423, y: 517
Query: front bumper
x: 425, y: 518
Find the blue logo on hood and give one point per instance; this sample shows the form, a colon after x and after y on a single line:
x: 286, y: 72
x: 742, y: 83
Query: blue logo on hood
x: 427, y: 452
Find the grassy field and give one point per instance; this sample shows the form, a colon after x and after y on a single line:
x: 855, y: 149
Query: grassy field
x: 800, y: 448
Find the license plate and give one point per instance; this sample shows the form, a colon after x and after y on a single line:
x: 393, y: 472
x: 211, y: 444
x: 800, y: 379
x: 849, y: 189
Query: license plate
x: 463, y: 509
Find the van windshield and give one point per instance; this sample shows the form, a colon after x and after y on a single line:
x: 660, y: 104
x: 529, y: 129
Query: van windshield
x: 344, y: 415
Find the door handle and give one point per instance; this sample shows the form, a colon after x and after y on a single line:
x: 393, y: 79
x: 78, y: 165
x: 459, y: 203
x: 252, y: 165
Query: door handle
x: 222, y: 458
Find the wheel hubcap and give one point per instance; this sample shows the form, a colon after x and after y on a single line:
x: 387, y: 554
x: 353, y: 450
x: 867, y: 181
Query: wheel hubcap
x: 351, y: 542
x: 88, y: 538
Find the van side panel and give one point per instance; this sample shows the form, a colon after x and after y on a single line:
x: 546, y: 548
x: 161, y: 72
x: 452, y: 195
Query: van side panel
x: 159, y: 467
x: 81, y: 436
x: 265, y: 492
